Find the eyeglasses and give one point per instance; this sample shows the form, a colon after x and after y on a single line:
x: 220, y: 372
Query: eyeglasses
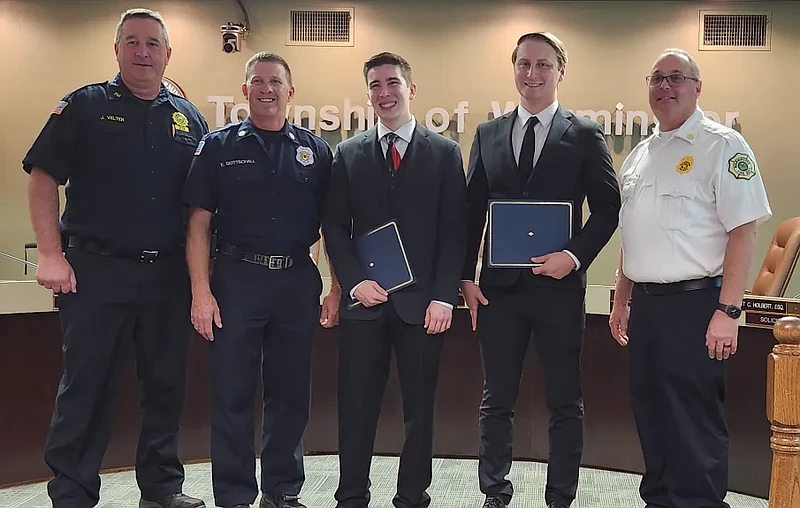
x: 673, y: 79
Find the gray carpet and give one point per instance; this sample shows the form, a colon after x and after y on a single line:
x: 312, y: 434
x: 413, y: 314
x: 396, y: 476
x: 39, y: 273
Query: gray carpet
x: 454, y: 486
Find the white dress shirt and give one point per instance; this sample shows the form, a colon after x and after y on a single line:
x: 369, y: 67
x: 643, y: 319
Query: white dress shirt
x: 404, y: 134
x: 540, y: 130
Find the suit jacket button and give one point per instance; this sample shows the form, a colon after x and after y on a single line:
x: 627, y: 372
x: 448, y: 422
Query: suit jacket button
x: 525, y: 194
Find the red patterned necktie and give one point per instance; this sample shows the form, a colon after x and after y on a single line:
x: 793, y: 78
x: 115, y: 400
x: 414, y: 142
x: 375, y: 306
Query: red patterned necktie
x: 393, y: 156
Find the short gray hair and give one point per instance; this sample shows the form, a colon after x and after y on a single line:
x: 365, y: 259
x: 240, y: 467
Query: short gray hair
x: 141, y: 14
x: 686, y: 56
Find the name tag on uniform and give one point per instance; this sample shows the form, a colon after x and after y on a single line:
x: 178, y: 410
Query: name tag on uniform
x: 236, y: 162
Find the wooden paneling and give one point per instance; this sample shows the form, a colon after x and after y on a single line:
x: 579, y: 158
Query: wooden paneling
x: 30, y: 368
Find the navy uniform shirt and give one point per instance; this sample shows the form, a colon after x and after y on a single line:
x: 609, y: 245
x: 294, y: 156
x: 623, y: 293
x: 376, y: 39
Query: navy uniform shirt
x: 267, y: 189
x: 124, y: 161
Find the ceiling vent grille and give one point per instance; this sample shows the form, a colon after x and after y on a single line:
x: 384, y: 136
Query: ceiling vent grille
x: 735, y: 30
x: 329, y: 27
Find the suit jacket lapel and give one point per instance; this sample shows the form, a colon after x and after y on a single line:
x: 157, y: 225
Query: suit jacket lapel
x: 416, y: 150
x: 372, y: 149
x: 373, y: 152
x: 503, y: 143
x: 559, y: 126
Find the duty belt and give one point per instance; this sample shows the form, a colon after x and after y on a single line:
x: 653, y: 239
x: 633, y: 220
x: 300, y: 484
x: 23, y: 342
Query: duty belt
x: 271, y: 261
x: 105, y: 249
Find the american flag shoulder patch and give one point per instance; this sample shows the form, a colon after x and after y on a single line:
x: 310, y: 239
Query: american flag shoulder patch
x: 59, y: 107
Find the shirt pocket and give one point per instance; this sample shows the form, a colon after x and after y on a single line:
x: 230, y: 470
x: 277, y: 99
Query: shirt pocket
x: 629, y: 186
x: 112, y: 135
x: 242, y: 188
x: 627, y: 191
x: 306, y: 176
x: 112, y: 152
x: 242, y: 175
x: 674, y: 200
x: 184, y: 142
x: 180, y: 152
x: 306, y: 187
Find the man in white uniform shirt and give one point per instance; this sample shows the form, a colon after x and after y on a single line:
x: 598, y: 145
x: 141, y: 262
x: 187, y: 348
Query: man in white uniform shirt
x: 692, y: 197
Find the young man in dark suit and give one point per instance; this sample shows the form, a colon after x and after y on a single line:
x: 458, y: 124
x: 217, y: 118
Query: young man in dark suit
x: 397, y: 170
x: 537, y: 152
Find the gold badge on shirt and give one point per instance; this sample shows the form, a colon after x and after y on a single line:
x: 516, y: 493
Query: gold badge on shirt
x: 685, y: 165
x: 179, y: 122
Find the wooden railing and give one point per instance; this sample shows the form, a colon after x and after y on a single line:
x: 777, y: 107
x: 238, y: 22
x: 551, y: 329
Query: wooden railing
x: 783, y: 412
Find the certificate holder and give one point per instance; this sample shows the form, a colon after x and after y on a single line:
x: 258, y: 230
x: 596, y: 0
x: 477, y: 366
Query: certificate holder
x: 383, y: 258
x: 519, y: 230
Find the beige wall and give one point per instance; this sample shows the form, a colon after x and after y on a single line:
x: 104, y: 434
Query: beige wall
x: 457, y: 53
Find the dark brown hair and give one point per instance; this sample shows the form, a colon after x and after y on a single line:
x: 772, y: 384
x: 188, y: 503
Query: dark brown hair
x: 387, y: 58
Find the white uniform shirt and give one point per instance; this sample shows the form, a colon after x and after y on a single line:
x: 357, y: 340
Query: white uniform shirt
x: 682, y: 192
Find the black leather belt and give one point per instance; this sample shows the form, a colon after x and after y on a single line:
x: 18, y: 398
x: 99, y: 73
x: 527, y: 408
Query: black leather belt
x: 271, y: 261
x: 653, y: 288
x: 104, y: 249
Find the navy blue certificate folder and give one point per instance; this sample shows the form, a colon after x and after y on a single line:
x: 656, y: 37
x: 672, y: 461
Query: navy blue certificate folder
x: 520, y: 230
x: 383, y: 258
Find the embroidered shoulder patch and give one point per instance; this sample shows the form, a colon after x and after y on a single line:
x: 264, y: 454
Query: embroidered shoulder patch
x: 59, y: 107
x: 742, y: 166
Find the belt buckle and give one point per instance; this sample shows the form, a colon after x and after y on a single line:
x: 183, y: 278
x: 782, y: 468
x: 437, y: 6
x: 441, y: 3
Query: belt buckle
x: 275, y: 262
x: 148, y: 256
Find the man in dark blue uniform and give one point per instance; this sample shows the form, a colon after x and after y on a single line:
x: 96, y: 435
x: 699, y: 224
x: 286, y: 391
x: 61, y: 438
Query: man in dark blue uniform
x: 261, y: 185
x: 125, y: 147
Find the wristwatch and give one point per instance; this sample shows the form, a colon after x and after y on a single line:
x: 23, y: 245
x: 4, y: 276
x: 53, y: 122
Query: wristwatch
x: 731, y: 310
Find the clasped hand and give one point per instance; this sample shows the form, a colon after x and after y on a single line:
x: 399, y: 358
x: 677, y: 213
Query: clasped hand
x: 555, y: 264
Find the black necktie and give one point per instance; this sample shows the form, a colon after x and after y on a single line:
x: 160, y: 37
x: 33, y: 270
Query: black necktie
x: 527, y: 150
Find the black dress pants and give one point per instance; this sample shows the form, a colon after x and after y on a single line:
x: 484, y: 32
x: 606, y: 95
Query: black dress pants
x: 677, y: 395
x: 555, y: 319
x: 365, y: 349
